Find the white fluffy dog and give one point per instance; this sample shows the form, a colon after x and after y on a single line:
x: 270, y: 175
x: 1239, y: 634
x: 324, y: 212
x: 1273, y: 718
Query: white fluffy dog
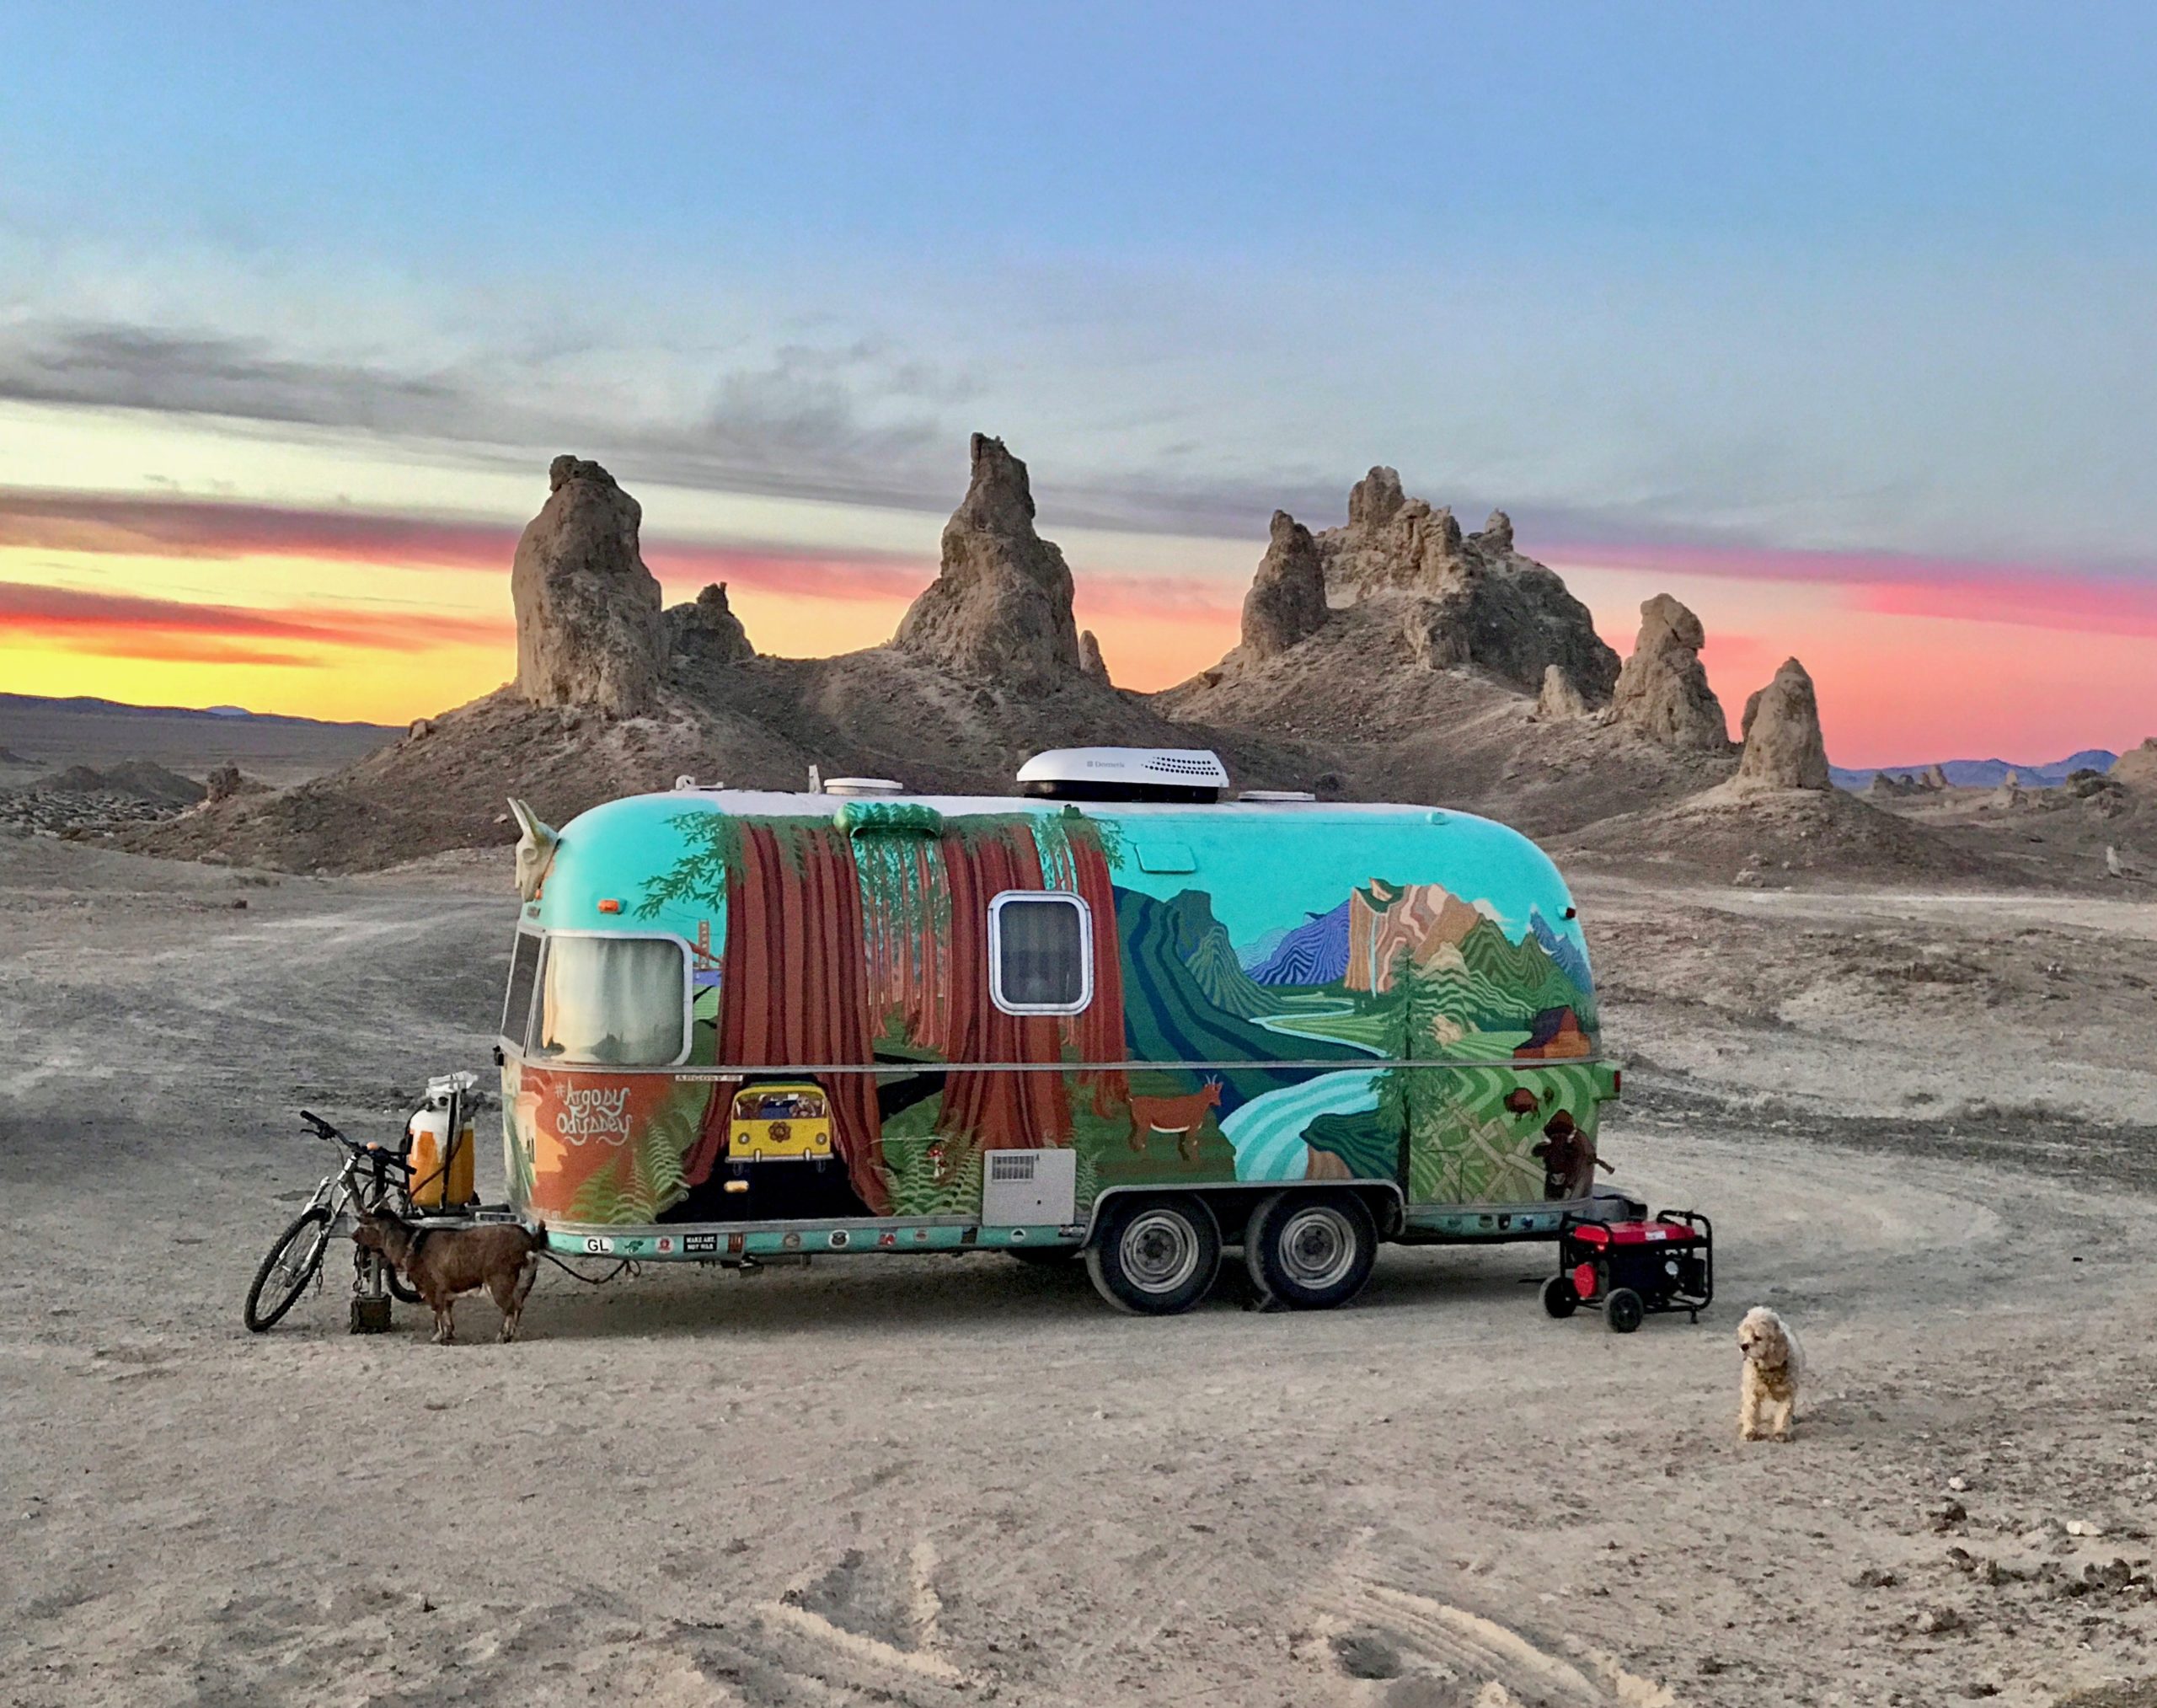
x: 1774, y: 1364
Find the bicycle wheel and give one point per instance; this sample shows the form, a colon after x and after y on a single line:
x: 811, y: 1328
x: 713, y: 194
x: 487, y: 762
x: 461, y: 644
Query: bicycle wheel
x: 291, y: 1265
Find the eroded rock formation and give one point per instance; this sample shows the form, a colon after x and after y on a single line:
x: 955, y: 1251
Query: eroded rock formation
x: 2137, y: 768
x: 1286, y: 600
x: 1663, y: 692
x: 1475, y: 599
x: 1089, y: 656
x: 1559, y: 699
x: 589, y: 631
x: 227, y: 783
x: 1000, y: 605
x: 707, y: 629
x: 1783, y: 745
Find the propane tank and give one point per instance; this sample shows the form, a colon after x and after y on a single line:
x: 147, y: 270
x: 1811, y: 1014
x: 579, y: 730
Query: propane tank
x: 439, y: 1146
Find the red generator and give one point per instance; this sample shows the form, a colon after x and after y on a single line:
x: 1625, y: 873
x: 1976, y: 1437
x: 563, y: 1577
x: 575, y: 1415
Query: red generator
x: 1627, y: 1269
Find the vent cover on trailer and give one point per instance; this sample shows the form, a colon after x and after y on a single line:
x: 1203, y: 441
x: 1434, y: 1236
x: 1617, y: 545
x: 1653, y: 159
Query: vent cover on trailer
x: 1189, y: 774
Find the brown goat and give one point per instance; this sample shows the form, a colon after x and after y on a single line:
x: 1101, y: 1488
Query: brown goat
x: 440, y: 1263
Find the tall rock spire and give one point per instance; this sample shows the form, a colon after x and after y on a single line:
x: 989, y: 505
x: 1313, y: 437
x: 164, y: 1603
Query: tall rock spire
x: 588, y: 627
x: 1663, y: 692
x: 1783, y: 744
x: 1286, y: 600
x: 1000, y: 605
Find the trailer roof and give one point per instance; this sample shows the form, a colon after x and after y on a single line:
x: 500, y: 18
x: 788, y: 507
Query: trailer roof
x: 775, y: 803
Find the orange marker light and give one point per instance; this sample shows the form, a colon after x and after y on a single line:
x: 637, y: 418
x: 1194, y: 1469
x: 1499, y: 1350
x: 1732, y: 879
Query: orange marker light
x: 610, y: 906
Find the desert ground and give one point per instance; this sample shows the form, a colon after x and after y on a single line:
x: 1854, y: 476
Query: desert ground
x: 45, y: 737
x: 1925, y: 1126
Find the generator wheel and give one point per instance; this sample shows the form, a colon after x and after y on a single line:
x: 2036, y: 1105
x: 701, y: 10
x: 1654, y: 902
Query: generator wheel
x: 1560, y: 1297
x: 1310, y: 1250
x: 1623, y: 1310
x: 1155, y: 1257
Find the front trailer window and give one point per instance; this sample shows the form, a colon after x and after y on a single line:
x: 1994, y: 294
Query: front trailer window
x: 615, y: 1001
x: 523, y: 975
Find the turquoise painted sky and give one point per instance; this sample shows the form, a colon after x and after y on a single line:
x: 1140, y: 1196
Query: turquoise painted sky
x: 1835, y: 319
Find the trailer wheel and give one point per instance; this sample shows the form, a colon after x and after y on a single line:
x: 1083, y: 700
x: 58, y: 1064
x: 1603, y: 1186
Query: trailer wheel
x: 1560, y: 1297
x: 1310, y: 1250
x: 1155, y: 1257
x: 1623, y: 1310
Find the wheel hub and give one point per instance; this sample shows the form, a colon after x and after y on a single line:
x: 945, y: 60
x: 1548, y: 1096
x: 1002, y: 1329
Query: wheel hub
x: 1159, y: 1251
x: 1317, y: 1247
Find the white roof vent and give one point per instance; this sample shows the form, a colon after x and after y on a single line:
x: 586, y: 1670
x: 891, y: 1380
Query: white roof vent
x: 1125, y: 773
x: 862, y: 785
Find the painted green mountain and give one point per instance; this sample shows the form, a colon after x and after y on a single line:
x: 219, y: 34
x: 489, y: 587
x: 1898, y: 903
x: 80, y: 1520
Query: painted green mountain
x: 1208, y: 950
x: 1168, y: 1017
x: 1497, y: 985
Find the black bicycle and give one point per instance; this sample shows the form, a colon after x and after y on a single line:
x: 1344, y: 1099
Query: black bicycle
x: 369, y: 1179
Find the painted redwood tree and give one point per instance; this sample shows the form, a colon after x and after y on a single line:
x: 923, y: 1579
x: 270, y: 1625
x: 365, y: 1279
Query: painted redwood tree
x: 835, y: 942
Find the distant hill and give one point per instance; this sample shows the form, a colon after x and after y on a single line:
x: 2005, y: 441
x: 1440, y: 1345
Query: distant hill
x: 1985, y: 774
x: 222, y: 714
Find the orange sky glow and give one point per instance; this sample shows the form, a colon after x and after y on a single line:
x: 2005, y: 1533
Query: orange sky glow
x: 384, y: 619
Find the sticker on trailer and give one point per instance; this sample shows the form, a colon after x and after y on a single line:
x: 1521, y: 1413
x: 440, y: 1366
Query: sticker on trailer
x: 598, y: 1245
x: 664, y: 1244
x: 692, y: 1244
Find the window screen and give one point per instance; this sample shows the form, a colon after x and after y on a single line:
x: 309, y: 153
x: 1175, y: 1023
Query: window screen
x: 1039, y: 953
x: 613, y: 1000
x: 523, y: 973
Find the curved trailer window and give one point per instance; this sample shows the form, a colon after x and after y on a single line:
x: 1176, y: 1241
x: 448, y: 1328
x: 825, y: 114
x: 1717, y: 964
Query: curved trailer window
x: 614, y: 1001
x: 1040, y: 958
x: 523, y: 980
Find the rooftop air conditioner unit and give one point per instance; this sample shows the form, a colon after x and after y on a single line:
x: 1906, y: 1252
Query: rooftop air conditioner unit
x: 1125, y: 773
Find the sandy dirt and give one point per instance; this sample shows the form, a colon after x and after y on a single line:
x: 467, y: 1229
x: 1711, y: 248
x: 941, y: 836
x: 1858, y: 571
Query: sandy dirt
x: 1924, y: 1125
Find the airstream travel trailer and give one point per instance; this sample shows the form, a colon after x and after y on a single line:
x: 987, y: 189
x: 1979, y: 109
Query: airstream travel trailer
x: 1116, y: 1013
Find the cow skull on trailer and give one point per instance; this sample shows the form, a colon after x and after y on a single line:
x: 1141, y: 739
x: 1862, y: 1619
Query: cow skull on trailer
x: 536, y: 843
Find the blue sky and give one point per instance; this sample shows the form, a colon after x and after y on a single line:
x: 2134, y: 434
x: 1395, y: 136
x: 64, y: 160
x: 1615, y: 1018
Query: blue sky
x: 1846, y: 280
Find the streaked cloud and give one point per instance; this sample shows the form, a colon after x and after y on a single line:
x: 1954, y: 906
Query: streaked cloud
x: 2038, y: 596
x: 109, y: 365
x: 127, y: 625
x: 120, y: 524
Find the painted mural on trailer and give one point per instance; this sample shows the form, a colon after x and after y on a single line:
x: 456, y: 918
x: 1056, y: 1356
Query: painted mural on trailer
x: 862, y: 942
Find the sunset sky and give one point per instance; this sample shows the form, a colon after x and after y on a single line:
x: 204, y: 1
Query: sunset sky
x: 1835, y: 322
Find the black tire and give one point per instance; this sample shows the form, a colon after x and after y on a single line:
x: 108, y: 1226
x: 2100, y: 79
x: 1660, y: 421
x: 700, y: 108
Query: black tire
x: 1044, y: 1256
x: 1561, y: 1298
x: 291, y: 1264
x: 1623, y: 1310
x: 1310, y: 1250
x: 1154, y: 1256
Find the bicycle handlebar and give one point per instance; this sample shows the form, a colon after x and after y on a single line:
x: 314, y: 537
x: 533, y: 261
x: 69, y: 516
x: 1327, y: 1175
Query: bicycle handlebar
x: 366, y: 1150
